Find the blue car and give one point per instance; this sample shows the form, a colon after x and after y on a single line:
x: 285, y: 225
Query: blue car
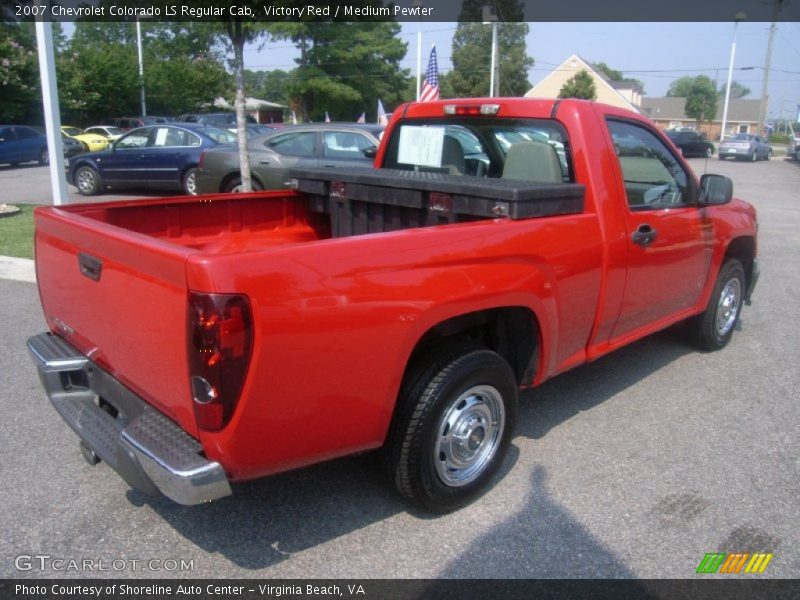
x: 19, y: 144
x: 163, y: 156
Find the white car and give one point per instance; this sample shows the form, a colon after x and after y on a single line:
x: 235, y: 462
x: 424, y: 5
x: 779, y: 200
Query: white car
x: 107, y: 131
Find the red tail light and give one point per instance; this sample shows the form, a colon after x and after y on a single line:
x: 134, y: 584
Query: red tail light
x: 220, y: 343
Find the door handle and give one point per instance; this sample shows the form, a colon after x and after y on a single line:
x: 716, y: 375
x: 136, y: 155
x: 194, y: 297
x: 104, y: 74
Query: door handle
x: 329, y: 165
x: 644, y: 235
x: 263, y: 162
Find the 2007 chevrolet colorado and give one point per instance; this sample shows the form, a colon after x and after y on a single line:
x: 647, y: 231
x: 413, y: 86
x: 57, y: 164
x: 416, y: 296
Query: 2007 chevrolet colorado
x: 196, y: 341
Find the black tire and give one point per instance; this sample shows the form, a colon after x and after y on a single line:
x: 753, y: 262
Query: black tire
x: 189, y: 182
x: 466, y: 389
x: 234, y: 185
x: 713, y: 328
x: 754, y: 158
x: 88, y: 181
x: 769, y: 155
x: 721, y: 157
x: 44, y: 157
x: 709, y: 152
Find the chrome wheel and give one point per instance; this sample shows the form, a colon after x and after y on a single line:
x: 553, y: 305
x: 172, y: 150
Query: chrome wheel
x: 190, y: 182
x: 468, y: 435
x: 86, y: 181
x: 728, y: 306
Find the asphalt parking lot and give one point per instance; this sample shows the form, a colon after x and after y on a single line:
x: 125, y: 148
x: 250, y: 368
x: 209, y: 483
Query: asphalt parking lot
x: 636, y: 465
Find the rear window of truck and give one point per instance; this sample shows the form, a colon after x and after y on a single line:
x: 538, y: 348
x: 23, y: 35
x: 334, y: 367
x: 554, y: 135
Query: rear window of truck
x: 535, y: 150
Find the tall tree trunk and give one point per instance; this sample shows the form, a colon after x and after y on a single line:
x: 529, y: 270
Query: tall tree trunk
x: 237, y: 38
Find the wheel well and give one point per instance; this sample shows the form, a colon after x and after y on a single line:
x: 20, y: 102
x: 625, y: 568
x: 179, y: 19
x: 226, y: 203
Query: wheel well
x: 512, y: 332
x: 234, y: 175
x: 743, y: 249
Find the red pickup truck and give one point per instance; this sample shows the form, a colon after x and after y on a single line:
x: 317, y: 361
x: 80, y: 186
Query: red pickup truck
x: 198, y: 341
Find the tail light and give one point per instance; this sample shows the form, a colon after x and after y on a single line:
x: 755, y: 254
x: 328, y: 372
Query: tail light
x: 471, y: 110
x: 220, y: 344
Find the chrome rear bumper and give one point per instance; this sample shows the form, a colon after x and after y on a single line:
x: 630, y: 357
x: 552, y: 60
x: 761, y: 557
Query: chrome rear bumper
x: 144, y: 447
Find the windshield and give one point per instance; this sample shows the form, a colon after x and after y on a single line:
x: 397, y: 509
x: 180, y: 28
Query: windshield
x: 535, y: 150
x: 72, y: 130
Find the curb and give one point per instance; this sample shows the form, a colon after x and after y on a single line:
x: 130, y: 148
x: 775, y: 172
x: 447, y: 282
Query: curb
x: 17, y: 269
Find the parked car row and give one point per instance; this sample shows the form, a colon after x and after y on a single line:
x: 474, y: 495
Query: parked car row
x: 197, y: 158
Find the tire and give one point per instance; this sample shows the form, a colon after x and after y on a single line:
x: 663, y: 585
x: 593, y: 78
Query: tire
x: 234, y: 186
x: 754, y: 158
x: 189, y: 182
x: 88, y: 181
x: 709, y: 152
x: 769, y: 155
x: 713, y: 328
x: 721, y: 157
x: 44, y: 157
x: 466, y: 390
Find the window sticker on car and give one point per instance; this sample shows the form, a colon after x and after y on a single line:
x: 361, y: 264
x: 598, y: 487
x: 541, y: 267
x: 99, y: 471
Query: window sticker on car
x: 421, y: 146
x: 161, y: 136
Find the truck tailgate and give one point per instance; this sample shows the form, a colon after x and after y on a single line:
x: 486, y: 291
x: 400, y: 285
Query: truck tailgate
x: 119, y: 297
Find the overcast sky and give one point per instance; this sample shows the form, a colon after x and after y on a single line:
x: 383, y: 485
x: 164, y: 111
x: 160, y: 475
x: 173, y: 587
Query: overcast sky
x: 655, y: 53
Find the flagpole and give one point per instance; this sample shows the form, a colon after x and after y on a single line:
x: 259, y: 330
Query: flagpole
x: 418, y: 3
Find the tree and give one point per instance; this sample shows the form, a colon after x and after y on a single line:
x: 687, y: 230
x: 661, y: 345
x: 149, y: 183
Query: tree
x: 680, y: 87
x: 99, y: 76
x: 269, y: 85
x: 738, y: 90
x: 701, y: 101
x: 345, y: 67
x: 19, y: 73
x: 614, y: 75
x: 580, y: 85
x: 472, y: 49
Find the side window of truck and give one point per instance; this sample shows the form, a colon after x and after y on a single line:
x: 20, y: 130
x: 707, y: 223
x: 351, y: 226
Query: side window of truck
x: 654, y: 179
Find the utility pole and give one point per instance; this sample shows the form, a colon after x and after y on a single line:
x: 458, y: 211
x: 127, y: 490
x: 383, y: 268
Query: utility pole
x: 737, y: 18
x: 762, y: 111
x: 141, y: 66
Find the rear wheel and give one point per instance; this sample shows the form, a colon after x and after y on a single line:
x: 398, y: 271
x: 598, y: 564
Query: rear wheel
x: 44, y: 157
x: 713, y: 328
x: 769, y: 154
x: 189, y: 183
x: 709, y: 152
x: 88, y: 181
x: 454, y: 423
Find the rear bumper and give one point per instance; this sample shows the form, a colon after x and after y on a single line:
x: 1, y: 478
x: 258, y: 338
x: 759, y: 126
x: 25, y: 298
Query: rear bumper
x: 144, y: 447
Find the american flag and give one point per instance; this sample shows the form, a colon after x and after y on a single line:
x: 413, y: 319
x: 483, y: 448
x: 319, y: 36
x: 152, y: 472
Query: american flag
x: 430, y: 87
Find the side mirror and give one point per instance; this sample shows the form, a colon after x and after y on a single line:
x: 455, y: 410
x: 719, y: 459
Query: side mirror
x: 715, y: 189
x: 370, y: 152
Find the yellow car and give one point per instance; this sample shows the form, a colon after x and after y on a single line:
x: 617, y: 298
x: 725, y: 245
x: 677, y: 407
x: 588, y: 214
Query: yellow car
x: 91, y: 141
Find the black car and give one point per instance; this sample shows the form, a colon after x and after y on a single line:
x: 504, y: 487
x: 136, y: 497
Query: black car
x: 691, y: 143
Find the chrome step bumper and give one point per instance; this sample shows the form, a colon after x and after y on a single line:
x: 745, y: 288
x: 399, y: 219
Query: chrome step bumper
x: 144, y: 447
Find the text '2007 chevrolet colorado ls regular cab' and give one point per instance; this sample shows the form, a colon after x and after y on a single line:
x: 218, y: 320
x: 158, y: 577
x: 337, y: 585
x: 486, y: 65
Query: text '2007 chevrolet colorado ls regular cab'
x: 198, y: 341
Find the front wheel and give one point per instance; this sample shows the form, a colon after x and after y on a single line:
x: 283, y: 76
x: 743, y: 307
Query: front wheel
x: 88, y: 181
x: 709, y: 152
x: 712, y: 329
x: 44, y: 157
x: 754, y: 157
x: 453, y: 427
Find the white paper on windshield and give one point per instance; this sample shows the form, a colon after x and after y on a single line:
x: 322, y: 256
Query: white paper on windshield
x: 421, y: 146
x: 161, y: 136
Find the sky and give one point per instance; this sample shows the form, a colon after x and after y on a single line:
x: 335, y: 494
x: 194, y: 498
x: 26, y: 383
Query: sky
x: 654, y: 53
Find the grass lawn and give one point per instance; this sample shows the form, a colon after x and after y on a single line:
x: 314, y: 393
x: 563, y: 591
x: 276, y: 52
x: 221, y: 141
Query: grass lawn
x: 16, y: 233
